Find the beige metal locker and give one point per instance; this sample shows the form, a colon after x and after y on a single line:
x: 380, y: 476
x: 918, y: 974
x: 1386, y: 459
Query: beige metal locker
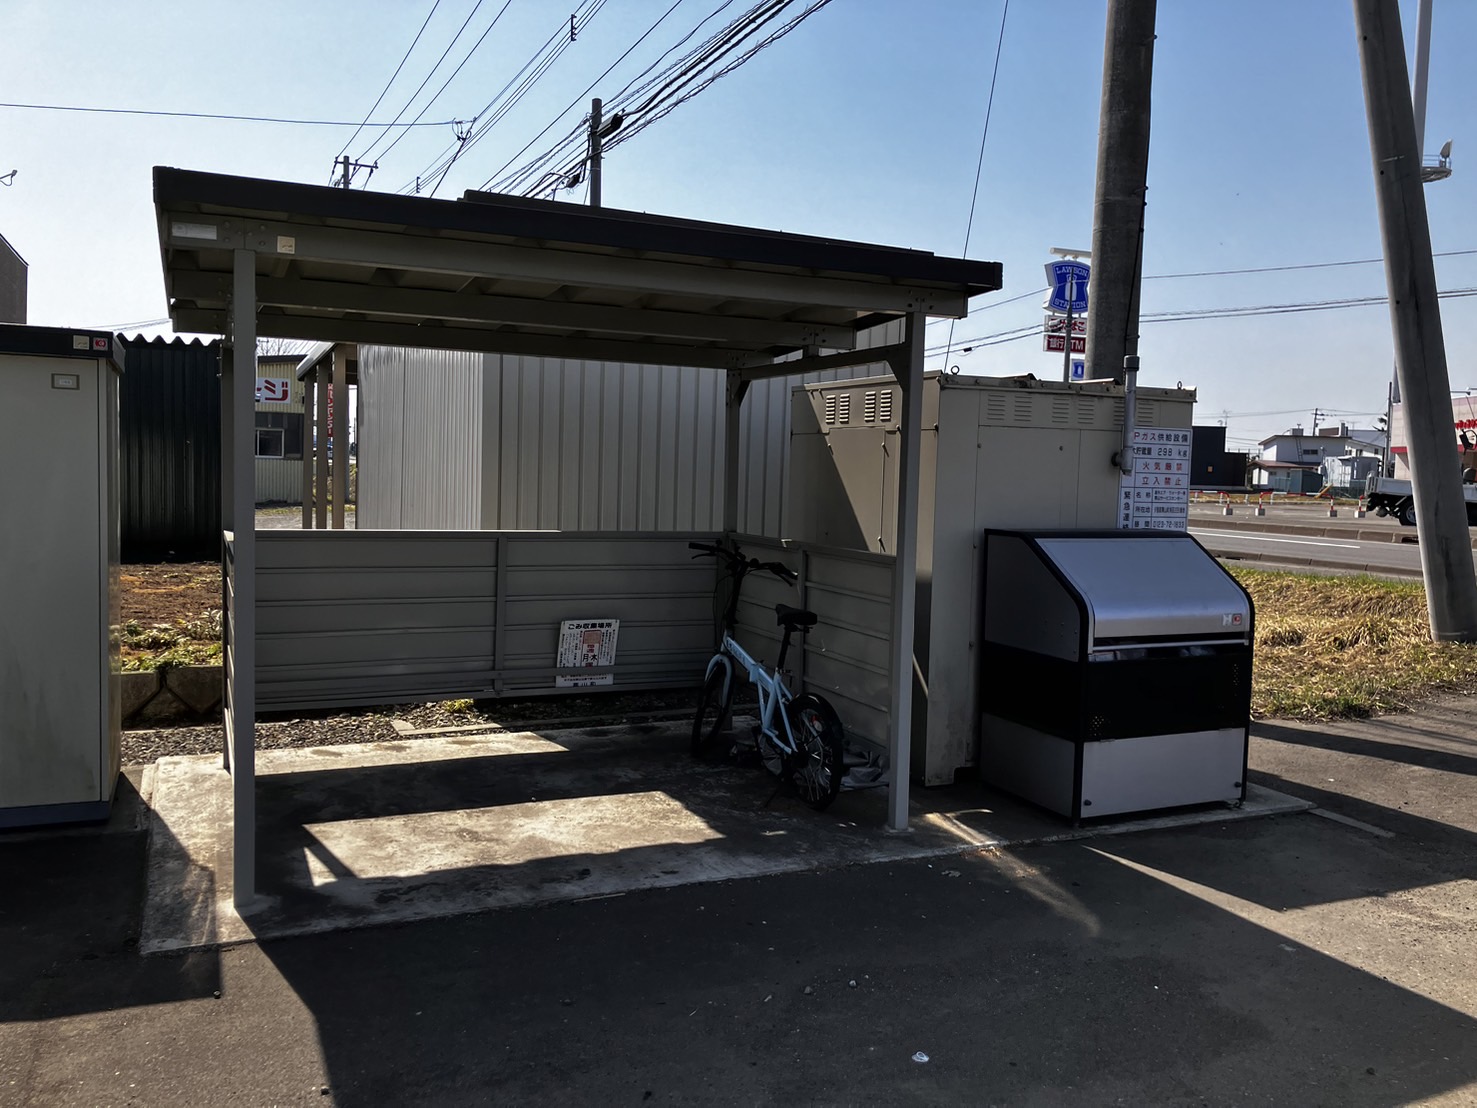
x: 997, y: 452
x: 60, y: 719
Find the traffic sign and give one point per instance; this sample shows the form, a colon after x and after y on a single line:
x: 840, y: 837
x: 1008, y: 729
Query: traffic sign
x: 1053, y: 344
x: 1068, y: 281
x: 1079, y: 370
x: 1057, y: 324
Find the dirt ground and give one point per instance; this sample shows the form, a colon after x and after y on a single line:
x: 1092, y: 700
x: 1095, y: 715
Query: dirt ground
x: 171, y: 613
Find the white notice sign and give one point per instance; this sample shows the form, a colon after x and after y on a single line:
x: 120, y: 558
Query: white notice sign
x: 586, y: 644
x: 1156, y: 495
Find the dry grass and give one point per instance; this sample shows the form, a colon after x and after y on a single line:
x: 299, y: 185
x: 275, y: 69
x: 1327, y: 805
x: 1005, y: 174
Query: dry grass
x: 1346, y: 646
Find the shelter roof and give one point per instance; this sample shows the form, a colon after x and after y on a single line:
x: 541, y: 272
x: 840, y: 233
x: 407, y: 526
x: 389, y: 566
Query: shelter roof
x: 519, y: 276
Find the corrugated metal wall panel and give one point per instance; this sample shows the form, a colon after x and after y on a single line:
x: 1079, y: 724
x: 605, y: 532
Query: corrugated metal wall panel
x: 279, y: 480
x: 169, y: 450
x: 571, y: 445
x: 419, y: 455
x: 377, y: 617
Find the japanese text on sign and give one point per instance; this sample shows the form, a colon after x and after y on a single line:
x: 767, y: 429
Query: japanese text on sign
x: 586, y: 644
x: 1156, y: 494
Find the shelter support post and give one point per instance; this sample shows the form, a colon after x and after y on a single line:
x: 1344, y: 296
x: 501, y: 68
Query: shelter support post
x: 733, y: 404
x: 339, y: 434
x: 228, y: 518
x: 908, y: 369
x: 320, y: 448
x: 242, y: 700
x: 307, y: 452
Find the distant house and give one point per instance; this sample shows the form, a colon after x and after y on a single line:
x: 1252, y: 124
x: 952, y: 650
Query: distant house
x: 1294, y: 460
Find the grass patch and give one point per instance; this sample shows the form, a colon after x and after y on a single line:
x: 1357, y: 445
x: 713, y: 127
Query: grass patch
x: 1329, y: 647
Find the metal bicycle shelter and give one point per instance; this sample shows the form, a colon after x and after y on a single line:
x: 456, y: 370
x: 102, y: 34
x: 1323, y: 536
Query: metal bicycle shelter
x: 249, y: 258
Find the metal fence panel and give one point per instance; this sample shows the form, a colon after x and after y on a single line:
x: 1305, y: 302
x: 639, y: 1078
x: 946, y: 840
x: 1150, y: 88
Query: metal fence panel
x: 377, y: 617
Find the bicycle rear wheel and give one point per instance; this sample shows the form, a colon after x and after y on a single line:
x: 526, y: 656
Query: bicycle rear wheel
x: 819, y: 762
x: 712, y: 711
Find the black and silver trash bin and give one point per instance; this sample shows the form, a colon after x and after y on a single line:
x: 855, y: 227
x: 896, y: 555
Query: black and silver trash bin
x: 1115, y: 671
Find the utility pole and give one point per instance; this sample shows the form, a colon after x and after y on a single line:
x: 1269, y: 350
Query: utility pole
x: 595, y: 137
x: 348, y: 167
x: 1122, y: 173
x: 1415, y: 317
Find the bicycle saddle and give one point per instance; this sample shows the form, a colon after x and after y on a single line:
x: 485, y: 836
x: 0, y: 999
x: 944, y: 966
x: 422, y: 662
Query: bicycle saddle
x: 794, y: 619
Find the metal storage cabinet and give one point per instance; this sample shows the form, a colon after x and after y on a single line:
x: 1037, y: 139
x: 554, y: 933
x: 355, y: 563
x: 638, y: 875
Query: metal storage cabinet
x: 997, y: 452
x: 60, y: 718
x: 1115, y: 672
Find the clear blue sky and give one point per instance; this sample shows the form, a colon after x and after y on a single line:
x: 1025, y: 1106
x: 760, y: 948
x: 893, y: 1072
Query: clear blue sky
x: 864, y: 123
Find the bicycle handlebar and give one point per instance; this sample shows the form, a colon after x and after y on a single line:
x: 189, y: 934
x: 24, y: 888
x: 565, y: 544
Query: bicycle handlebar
x: 780, y: 570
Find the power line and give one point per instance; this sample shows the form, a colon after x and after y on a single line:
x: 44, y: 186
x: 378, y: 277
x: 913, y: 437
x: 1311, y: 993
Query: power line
x: 427, y: 80
x: 668, y: 96
x: 1195, y: 314
x: 974, y: 194
x: 645, y: 34
x: 391, y: 81
x: 427, y: 106
x: 1286, y: 268
x: 540, y: 63
x: 210, y: 115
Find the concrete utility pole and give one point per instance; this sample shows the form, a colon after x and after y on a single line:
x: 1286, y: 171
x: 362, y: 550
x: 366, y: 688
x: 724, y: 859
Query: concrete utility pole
x: 1415, y: 317
x: 1122, y: 173
x: 595, y: 137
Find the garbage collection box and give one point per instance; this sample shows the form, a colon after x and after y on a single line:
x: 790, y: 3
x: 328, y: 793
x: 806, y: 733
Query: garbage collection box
x: 60, y: 707
x: 1115, y: 671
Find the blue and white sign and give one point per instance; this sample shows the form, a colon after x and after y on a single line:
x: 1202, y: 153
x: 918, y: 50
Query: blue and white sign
x: 1068, y: 281
x: 1079, y: 370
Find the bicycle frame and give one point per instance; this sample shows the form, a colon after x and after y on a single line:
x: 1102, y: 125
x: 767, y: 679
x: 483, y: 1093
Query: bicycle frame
x: 773, y: 693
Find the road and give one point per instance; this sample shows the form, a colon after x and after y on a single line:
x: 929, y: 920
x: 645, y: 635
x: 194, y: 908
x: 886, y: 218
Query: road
x: 1334, y: 551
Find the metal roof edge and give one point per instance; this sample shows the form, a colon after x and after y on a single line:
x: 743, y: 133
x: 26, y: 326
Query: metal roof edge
x: 555, y: 221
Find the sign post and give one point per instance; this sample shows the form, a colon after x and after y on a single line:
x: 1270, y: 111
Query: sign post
x: 1068, y: 280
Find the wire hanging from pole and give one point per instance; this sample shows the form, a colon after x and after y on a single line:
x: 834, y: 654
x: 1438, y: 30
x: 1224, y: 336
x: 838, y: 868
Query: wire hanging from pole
x: 980, y: 164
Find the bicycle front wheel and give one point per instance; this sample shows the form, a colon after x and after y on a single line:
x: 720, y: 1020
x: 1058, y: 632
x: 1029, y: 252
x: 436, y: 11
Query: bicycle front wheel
x: 819, y: 762
x: 712, y: 712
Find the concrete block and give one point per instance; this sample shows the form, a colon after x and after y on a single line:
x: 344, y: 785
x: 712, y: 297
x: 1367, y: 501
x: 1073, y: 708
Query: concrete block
x: 138, y: 689
x: 165, y: 707
x: 1259, y: 510
x: 197, y: 687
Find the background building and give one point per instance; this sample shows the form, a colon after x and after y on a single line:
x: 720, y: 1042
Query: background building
x: 13, y: 272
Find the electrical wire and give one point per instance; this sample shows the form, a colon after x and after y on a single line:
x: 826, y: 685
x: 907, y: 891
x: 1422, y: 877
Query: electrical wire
x: 495, y: 109
x: 1196, y: 314
x: 209, y: 115
x: 391, y: 81
x: 671, y: 93
x: 427, y: 106
x: 615, y: 105
x: 424, y: 82
x: 646, y: 34
x: 979, y: 166
x: 685, y: 69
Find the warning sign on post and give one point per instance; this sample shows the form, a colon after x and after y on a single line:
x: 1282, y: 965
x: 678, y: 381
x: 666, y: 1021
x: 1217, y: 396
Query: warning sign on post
x: 1156, y: 495
x: 586, y: 644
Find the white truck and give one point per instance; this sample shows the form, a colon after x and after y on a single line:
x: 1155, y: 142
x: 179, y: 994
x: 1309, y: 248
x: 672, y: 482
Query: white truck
x: 1390, y: 496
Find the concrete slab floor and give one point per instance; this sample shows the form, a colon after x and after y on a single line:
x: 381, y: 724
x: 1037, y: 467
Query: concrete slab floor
x: 390, y: 832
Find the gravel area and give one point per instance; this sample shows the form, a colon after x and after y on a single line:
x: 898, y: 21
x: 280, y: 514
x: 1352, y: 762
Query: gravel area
x: 379, y: 724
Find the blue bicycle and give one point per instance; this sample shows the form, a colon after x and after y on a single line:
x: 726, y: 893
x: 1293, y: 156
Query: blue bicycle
x: 798, y: 738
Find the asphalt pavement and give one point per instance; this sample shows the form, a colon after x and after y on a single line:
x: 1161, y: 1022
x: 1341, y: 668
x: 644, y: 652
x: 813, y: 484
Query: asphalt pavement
x: 1305, y: 536
x: 1327, y: 957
